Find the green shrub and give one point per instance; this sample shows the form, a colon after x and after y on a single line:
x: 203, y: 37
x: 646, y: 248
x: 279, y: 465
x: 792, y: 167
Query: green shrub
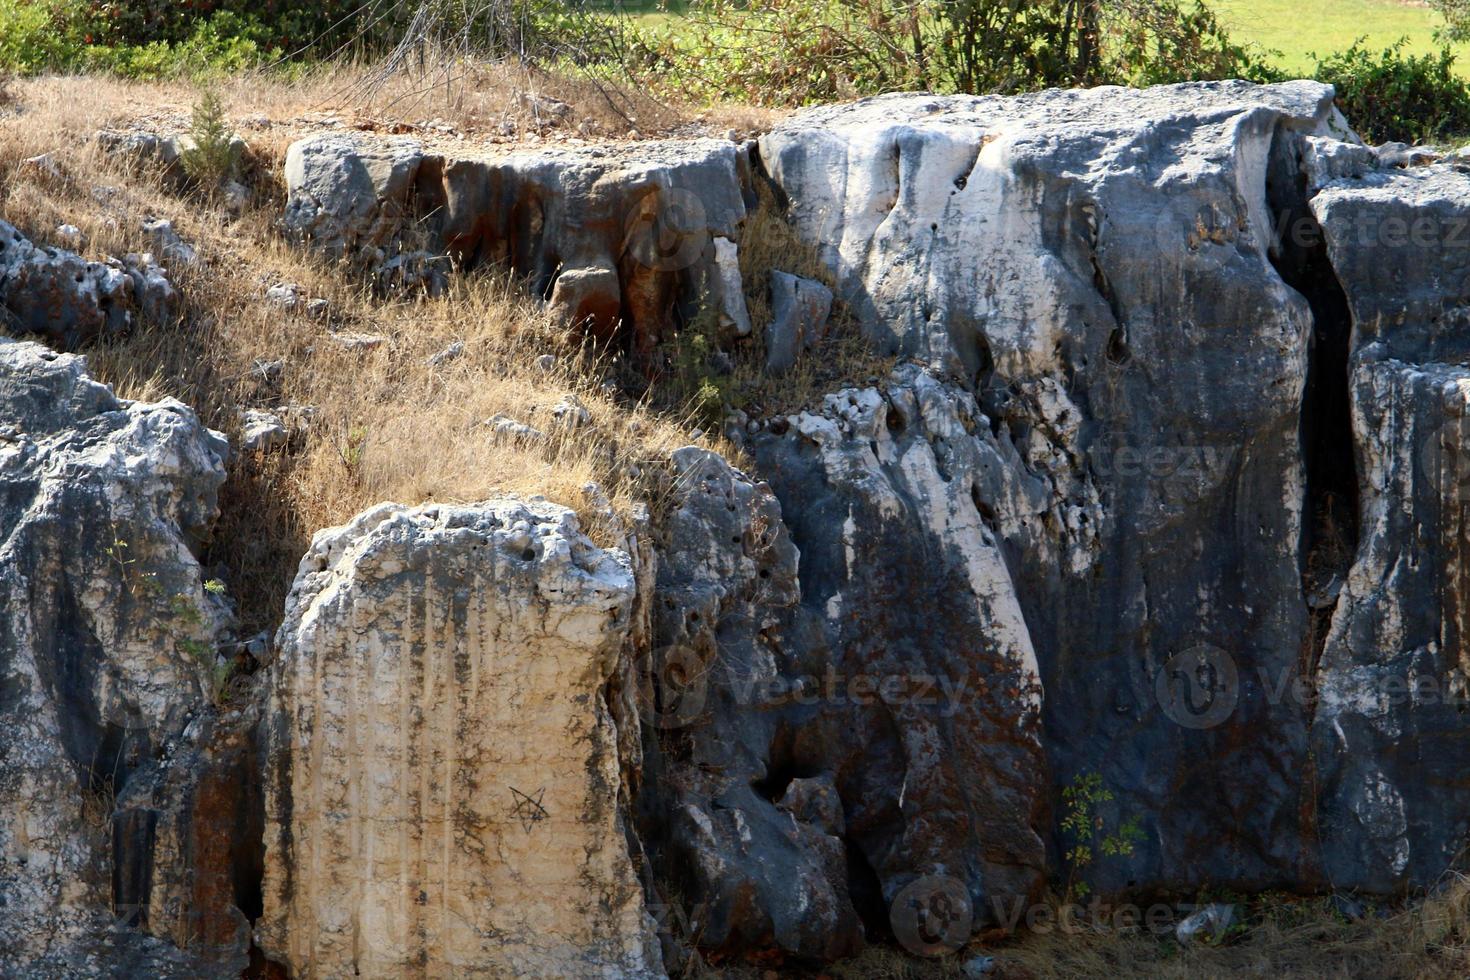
x: 287, y: 24
x: 1394, y: 96
x: 800, y: 51
x: 1456, y: 14
x: 40, y: 35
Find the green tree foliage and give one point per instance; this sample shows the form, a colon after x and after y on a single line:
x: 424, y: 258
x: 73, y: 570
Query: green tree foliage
x: 1456, y: 14
x: 815, y: 50
x: 212, y: 158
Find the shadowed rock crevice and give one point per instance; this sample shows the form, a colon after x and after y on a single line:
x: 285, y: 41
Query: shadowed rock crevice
x: 1330, y: 505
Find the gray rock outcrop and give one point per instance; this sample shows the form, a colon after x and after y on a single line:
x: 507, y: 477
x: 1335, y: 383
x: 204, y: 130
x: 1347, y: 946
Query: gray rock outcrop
x: 731, y: 645
x: 1097, y: 267
x: 107, y: 640
x: 1391, y: 690
x: 613, y: 235
x: 67, y: 299
x: 799, y: 311
x: 932, y: 685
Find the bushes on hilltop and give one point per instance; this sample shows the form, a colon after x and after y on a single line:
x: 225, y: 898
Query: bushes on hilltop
x: 775, y: 52
x: 1389, y: 95
x: 786, y: 51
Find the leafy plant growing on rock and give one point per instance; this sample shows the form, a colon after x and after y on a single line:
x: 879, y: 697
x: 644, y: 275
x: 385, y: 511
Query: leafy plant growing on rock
x: 1087, y: 829
x: 697, y: 380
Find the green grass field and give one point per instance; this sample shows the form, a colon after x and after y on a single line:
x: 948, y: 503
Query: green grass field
x: 1297, y: 28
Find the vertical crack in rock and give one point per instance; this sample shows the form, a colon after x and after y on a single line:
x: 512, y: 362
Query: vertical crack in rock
x: 1330, y: 504
x: 443, y: 774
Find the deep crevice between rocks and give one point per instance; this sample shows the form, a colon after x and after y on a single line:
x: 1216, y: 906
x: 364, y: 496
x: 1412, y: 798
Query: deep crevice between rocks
x: 1330, y: 509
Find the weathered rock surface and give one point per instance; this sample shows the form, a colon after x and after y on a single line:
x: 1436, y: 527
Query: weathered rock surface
x: 106, y: 652
x: 442, y: 773
x: 67, y: 299
x: 731, y: 642
x: 799, y: 311
x: 611, y: 234
x: 931, y: 692
x: 262, y: 431
x: 1390, y: 728
x: 1096, y: 265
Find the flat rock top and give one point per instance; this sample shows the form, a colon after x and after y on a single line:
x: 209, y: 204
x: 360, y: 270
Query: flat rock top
x: 1433, y: 185
x: 1107, y: 107
x: 614, y: 155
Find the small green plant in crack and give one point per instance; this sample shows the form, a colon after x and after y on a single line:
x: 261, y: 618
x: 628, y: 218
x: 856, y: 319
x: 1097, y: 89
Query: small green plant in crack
x: 1088, y: 832
x: 703, y: 390
x: 117, y: 553
x: 186, y: 620
x: 351, y: 448
x: 134, y: 582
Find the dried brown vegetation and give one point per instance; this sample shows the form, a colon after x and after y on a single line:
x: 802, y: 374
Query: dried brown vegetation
x: 384, y: 424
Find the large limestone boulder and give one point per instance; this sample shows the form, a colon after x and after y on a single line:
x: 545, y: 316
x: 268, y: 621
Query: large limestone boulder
x: 1097, y: 266
x: 107, y: 639
x: 442, y: 772
x: 349, y: 194
x: 1391, y: 731
x: 931, y: 697
x: 611, y: 235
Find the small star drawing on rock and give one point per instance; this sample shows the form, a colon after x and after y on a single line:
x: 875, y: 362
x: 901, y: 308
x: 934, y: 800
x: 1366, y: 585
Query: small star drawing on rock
x: 528, y: 807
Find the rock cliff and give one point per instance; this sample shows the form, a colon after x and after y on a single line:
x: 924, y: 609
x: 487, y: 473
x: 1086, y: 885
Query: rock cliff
x: 107, y: 659
x: 1160, y: 505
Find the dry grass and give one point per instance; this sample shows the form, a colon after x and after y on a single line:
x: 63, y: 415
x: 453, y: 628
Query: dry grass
x: 1303, y: 939
x: 507, y: 103
x: 386, y: 424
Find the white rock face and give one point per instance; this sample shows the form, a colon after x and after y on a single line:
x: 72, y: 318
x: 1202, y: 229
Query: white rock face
x: 734, y: 317
x: 442, y: 773
x: 938, y: 214
x: 105, y: 627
